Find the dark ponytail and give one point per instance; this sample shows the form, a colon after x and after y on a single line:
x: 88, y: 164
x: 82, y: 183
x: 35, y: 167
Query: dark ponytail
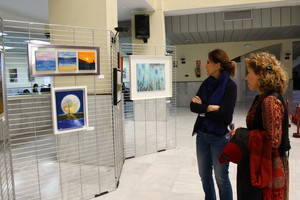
x: 220, y: 56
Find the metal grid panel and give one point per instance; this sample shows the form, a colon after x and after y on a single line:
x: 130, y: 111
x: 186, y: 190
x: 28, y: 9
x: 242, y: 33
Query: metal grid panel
x: 149, y: 125
x: 6, y: 180
x: 6, y: 176
x: 73, y: 166
x: 118, y: 123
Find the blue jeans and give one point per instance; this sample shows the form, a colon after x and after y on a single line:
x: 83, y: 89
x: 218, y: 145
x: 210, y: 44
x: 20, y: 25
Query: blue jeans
x: 209, y: 148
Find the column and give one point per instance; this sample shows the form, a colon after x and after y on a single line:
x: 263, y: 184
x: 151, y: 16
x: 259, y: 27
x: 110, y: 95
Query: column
x: 96, y: 14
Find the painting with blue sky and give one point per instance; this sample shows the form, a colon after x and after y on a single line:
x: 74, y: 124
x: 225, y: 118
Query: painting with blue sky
x: 150, y: 77
x: 45, y: 61
x: 70, y: 111
x: 67, y: 60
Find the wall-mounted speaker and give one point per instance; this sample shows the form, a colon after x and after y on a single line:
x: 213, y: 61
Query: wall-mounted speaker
x: 142, y: 30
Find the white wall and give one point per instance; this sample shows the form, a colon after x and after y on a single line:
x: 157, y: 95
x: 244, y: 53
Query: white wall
x: 194, y: 52
x: 23, y: 79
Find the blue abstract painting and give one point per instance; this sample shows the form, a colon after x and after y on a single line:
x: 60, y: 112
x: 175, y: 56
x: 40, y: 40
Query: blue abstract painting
x: 67, y: 60
x: 45, y: 61
x: 150, y: 77
x: 70, y: 111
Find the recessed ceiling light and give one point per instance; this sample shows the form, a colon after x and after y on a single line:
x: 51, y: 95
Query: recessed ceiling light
x: 1, y: 33
x: 37, y: 42
x: 247, y: 45
x: 6, y: 47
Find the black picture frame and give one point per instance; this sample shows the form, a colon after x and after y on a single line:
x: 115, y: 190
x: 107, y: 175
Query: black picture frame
x: 117, y: 85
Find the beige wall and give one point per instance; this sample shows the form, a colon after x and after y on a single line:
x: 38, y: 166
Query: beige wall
x: 157, y: 41
x: 98, y: 16
x: 191, y: 53
x: 89, y: 13
x: 111, y: 14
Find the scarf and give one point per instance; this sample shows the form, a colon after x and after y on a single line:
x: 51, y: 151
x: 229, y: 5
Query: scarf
x: 213, y: 93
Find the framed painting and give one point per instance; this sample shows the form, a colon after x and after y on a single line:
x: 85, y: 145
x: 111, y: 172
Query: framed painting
x: 150, y: 77
x: 53, y: 60
x: 69, y: 109
x: 120, y: 62
x: 13, y: 75
x: 45, y: 60
x: 67, y: 60
x: 87, y: 60
x: 117, y: 85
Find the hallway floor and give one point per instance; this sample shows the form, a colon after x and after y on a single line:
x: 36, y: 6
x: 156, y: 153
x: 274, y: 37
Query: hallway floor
x: 172, y: 174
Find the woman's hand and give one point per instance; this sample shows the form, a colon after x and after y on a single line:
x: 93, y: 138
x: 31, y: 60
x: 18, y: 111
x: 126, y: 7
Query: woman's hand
x: 197, y: 100
x: 232, y: 132
x: 211, y: 108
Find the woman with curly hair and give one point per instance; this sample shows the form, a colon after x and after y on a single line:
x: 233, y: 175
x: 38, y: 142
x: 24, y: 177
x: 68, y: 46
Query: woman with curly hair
x: 262, y: 172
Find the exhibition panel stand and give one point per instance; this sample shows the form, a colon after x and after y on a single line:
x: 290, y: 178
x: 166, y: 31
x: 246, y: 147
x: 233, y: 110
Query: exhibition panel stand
x: 62, y: 134
x: 149, y: 99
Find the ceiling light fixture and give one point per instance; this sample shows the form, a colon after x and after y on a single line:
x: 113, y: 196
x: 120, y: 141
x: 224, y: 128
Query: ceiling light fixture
x: 37, y: 42
x: 247, y: 45
x: 1, y: 34
x: 6, y: 47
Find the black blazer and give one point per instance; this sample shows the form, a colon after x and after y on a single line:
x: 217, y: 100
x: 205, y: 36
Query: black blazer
x: 225, y: 112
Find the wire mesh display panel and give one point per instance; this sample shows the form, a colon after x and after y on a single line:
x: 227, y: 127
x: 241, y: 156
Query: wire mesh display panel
x: 118, y: 122
x: 6, y: 179
x: 149, y: 125
x: 76, y: 165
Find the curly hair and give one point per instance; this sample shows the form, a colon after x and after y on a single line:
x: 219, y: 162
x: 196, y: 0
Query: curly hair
x: 272, y: 75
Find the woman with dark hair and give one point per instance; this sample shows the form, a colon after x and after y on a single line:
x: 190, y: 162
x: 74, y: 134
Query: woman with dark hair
x: 262, y: 172
x: 214, y: 104
x: 35, y: 88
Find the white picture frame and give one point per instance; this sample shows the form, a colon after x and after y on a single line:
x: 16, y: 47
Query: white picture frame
x: 78, y: 114
x: 150, y: 77
x: 62, y: 60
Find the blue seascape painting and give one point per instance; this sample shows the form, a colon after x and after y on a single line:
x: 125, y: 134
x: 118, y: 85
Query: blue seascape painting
x: 70, y: 109
x: 67, y: 60
x: 150, y: 77
x: 45, y: 61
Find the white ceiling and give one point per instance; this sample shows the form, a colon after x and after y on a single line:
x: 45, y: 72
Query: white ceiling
x: 37, y: 10
x: 127, y: 7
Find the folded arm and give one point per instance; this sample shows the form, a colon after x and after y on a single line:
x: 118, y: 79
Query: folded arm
x: 227, y: 105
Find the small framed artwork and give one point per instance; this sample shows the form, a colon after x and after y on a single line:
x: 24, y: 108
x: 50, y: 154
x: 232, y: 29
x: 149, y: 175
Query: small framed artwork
x: 13, y: 75
x: 150, y: 77
x: 117, y: 85
x: 120, y: 62
x: 53, y: 60
x: 69, y: 109
x: 45, y: 61
x: 198, y: 68
x: 67, y: 60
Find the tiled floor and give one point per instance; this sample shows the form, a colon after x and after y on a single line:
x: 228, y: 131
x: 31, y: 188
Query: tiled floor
x: 172, y: 175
